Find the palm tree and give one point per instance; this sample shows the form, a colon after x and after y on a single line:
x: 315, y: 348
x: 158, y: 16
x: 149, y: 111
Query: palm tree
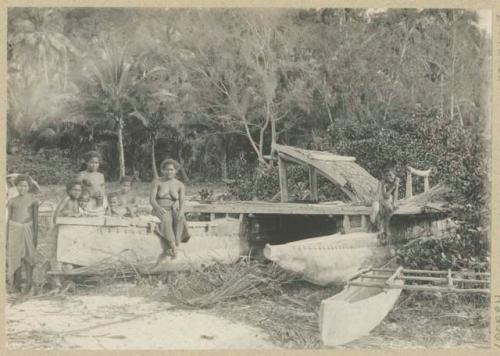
x: 105, y: 91
x: 37, y: 41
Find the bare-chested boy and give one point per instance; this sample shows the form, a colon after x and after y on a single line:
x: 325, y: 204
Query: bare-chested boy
x: 70, y: 205
x: 126, y: 198
x: 22, y: 234
x: 93, y: 180
x: 167, y: 199
x: 387, y: 197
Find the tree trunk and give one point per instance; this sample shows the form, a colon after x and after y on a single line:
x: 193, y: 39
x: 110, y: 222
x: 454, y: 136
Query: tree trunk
x: 153, y: 159
x: 121, y: 154
x: 223, y: 162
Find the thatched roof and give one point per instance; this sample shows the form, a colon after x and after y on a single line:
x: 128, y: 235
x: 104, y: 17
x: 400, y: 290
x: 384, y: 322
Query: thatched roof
x: 354, y: 180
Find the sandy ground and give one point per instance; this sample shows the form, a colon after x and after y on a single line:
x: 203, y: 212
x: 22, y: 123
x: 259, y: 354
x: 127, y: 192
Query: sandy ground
x: 122, y: 322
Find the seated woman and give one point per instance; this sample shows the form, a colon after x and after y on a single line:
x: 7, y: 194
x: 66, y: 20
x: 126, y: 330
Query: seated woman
x: 167, y: 199
x: 93, y: 181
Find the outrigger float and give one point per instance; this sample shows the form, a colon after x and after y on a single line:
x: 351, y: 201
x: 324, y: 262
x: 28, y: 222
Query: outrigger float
x: 371, y: 293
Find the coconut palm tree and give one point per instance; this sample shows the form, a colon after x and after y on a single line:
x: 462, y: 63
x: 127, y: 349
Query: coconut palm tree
x: 105, y: 90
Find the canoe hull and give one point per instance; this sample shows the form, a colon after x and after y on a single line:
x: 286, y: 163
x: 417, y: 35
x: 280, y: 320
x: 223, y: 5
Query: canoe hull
x: 329, y: 259
x: 348, y: 315
x: 211, y: 242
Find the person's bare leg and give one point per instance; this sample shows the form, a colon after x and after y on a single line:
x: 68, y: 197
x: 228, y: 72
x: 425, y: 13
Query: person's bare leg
x: 17, y: 279
x: 29, y: 277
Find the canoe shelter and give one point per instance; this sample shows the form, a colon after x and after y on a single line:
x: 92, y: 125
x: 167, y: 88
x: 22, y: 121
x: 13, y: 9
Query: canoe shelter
x: 352, y: 179
x: 287, y: 221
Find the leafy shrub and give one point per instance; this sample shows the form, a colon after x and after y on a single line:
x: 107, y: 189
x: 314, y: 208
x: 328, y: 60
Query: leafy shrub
x: 49, y: 166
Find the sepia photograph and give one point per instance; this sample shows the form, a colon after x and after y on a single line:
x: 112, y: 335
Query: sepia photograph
x: 247, y: 178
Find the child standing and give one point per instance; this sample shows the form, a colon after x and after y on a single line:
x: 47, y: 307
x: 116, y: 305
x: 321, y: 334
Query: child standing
x: 22, y: 233
x: 93, y: 180
x: 387, y: 197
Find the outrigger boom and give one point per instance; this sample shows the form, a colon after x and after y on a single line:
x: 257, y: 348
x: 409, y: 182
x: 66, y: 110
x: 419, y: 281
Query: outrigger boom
x: 419, y: 276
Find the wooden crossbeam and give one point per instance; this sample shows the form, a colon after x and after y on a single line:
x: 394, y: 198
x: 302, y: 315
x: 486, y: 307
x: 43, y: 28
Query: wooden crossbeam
x: 428, y: 279
x: 419, y: 287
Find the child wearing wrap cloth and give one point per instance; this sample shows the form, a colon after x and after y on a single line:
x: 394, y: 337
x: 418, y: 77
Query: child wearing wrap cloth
x: 386, y: 203
x: 22, y: 234
x: 167, y: 200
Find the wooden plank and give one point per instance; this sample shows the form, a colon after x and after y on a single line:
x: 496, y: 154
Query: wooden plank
x: 316, y: 155
x: 254, y: 207
x: 418, y: 172
x: 89, y: 221
x: 283, y: 179
x: 320, y: 167
x: 261, y: 207
x: 313, y: 183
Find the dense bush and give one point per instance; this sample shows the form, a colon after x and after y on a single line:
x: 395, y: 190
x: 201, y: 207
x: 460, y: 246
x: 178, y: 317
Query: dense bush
x: 46, y: 166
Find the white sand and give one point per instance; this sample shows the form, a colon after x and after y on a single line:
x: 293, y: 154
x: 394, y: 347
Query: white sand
x: 60, y: 324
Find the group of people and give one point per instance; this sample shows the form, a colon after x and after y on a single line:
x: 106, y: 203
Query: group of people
x: 86, y: 196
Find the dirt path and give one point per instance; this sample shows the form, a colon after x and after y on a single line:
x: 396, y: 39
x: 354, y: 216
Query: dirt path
x: 121, y: 322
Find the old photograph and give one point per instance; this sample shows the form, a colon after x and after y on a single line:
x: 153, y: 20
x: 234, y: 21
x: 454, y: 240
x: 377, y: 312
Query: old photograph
x: 247, y: 178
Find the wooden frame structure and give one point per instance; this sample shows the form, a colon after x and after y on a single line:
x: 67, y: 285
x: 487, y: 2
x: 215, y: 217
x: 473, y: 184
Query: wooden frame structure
x: 410, y: 172
x: 422, y: 280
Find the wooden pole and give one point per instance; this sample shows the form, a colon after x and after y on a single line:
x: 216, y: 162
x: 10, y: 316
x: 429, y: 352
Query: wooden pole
x: 418, y: 288
x: 409, y: 185
x: 426, y: 279
x: 283, y: 180
x: 313, y: 183
x: 465, y: 273
x: 346, y: 224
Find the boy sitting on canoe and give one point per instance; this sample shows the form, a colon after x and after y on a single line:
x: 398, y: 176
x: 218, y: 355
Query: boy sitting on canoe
x: 384, y: 206
x: 114, y: 208
x: 126, y: 198
x: 22, y: 233
x: 70, y: 205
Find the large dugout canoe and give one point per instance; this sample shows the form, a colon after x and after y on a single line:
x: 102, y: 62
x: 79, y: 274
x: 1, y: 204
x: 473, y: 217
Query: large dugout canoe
x: 355, y: 312
x: 87, y: 241
x: 329, y: 259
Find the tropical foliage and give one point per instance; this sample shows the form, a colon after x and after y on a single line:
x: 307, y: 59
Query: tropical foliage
x: 214, y: 88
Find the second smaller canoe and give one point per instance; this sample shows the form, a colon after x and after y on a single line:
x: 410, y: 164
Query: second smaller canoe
x: 355, y: 312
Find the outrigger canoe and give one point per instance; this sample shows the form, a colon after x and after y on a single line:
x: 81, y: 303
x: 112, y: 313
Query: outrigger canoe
x: 329, y: 259
x: 87, y: 241
x: 355, y: 312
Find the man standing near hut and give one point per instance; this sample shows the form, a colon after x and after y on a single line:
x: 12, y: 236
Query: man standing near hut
x: 385, y: 205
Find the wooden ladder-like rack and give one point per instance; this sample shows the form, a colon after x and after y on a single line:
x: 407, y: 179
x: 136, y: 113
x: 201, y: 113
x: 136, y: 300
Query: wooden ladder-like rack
x: 422, y: 280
